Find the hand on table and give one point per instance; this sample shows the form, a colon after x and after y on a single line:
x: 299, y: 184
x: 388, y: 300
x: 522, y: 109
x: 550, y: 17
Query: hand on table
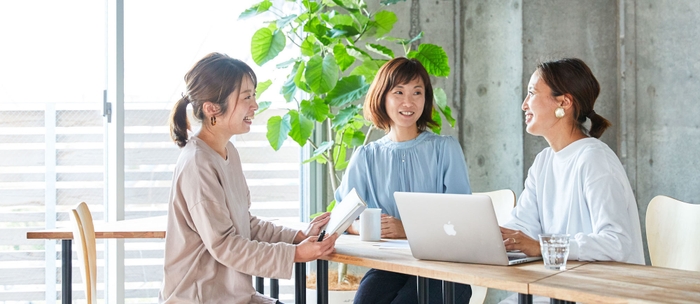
x: 310, y: 249
x: 517, y: 240
x: 392, y: 228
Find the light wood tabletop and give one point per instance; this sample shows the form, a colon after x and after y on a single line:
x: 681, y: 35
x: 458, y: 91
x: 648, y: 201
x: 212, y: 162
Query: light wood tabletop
x: 143, y: 228
x: 611, y: 282
x: 350, y: 250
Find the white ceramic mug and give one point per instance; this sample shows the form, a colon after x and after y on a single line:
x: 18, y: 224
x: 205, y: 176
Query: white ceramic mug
x: 371, y: 225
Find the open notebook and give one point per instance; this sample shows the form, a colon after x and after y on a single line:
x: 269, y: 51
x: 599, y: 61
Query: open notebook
x: 344, y: 213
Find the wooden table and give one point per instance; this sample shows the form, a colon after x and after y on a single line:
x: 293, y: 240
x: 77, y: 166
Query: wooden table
x: 517, y: 278
x: 144, y: 228
x: 610, y: 282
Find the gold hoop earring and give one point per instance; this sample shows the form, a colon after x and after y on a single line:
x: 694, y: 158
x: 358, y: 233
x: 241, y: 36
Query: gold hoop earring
x: 559, y: 112
x: 213, y: 121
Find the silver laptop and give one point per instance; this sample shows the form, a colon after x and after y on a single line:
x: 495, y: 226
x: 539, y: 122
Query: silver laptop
x: 454, y: 228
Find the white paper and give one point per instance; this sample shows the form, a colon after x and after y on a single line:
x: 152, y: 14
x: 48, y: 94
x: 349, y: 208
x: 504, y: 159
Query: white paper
x: 393, y: 244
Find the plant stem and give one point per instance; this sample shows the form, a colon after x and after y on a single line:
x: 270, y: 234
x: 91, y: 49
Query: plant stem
x: 369, y: 132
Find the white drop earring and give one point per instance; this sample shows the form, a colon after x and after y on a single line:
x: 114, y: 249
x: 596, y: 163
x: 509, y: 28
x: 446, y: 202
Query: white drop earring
x: 559, y: 112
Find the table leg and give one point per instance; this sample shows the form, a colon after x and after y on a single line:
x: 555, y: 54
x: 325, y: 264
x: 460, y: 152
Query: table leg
x: 66, y: 271
x: 556, y: 301
x: 448, y: 292
x: 275, y: 288
x: 300, y: 283
x: 260, y: 285
x: 322, y: 281
x: 423, y: 290
x: 524, y: 298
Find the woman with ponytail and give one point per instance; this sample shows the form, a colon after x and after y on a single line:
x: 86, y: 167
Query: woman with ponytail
x: 213, y: 244
x: 577, y: 185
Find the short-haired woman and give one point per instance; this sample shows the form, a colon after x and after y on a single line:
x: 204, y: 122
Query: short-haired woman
x: 408, y: 158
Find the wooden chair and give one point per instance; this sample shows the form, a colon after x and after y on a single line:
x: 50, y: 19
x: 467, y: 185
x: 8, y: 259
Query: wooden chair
x: 84, y: 240
x: 672, y: 230
x: 503, y: 202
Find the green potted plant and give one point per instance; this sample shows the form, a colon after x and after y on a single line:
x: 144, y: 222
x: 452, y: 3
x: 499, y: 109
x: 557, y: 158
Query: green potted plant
x: 341, y: 45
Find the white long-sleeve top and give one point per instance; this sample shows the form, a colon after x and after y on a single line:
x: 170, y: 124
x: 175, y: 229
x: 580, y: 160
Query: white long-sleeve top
x: 582, y: 190
x: 213, y: 244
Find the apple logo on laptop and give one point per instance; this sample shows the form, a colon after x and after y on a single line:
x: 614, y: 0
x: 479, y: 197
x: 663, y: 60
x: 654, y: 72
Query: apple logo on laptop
x: 449, y: 228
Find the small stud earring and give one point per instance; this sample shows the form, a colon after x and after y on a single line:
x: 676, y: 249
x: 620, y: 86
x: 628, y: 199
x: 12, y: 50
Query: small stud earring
x: 559, y: 112
x: 213, y: 121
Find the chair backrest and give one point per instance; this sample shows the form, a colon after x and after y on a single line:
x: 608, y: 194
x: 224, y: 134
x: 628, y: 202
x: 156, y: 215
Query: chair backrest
x: 672, y: 230
x: 503, y: 202
x: 84, y: 240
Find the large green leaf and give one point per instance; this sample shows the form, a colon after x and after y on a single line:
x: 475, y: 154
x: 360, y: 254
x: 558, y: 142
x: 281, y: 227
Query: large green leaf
x: 262, y: 106
x: 344, y: 116
x: 353, y: 138
x: 342, y: 57
x: 258, y: 8
x: 321, y: 73
x: 433, y: 58
x: 315, y: 109
x: 342, y: 20
x: 277, y: 131
x: 441, y: 104
x: 282, y: 22
x: 266, y: 45
x: 348, y: 89
x: 340, y: 157
x: 349, y: 5
x: 262, y: 86
x: 368, y: 69
x: 301, y: 127
x: 381, y: 50
x: 440, y: 98
x: 299, y: 78
x: 384, y: 21
x: 316, y: 27
x: 343, y: 31
x: 310, y: 5
x: 318, y: 153
x: 289, y: 88
x: 358, y: 53
x: 287, y: 63
x: 309, y: 47
x: 436, y: 117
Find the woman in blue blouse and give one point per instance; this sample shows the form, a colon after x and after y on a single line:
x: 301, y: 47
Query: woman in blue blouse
x: 408, y: 158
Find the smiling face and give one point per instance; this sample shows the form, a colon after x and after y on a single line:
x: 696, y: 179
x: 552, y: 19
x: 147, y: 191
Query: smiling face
x: 539, y: 106
x: 241, y: 109
x: 405, y: 104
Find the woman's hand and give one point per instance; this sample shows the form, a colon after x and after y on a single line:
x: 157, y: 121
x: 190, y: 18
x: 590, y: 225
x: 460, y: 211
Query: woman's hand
x: 314, y: 228
x: 310, y: 249
x: 517, y: 240
x: 392, y: 228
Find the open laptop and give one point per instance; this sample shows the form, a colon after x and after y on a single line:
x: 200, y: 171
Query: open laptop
x: 454, y: 228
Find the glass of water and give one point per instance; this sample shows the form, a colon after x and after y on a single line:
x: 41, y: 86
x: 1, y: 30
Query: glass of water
x: 555, y: 250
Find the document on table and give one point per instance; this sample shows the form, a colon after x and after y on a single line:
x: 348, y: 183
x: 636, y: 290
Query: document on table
x: 393, y: 244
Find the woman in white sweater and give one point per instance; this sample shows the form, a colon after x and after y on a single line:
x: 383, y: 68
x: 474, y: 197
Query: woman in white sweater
x: 577, y: 185
x: 213, y: 244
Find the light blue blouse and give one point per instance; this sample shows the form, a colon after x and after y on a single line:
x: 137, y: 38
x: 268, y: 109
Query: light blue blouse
x: 429, y: 163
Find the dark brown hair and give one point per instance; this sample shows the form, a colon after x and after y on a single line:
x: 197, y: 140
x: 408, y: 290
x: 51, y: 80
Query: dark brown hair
x: 572, y: 76
x: 213, y: 78
x: 397, y: 71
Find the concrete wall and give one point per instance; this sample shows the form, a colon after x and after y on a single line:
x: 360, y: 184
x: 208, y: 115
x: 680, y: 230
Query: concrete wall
x: 642, y: 52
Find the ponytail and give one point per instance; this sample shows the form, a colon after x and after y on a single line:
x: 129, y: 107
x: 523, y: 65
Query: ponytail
x: 598, y: 124
x: 179, y: 125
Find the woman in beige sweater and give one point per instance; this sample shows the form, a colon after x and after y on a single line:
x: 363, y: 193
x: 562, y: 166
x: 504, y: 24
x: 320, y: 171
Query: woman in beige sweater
x: 213, y: 244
